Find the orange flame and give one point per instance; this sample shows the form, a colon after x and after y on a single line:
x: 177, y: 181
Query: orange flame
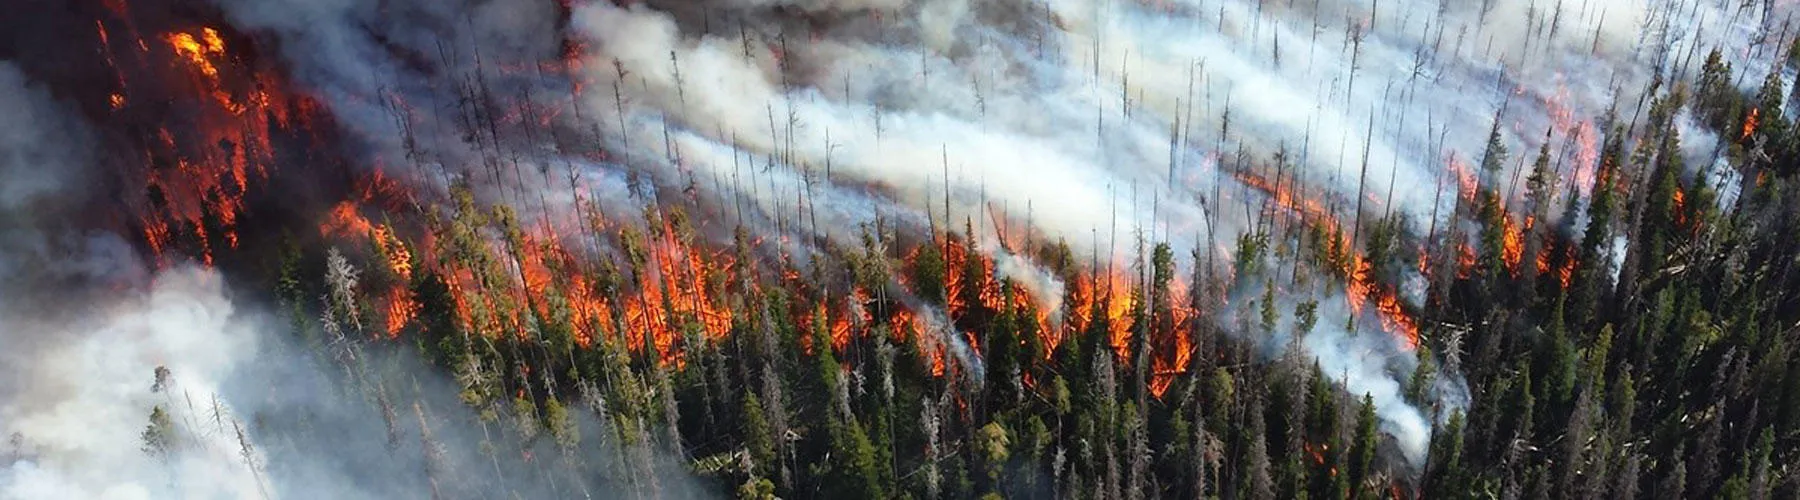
x: 1465, y: 260
x: 1567, y: 272
x: 215, y: 154
x: 1750, y: 122
x: 956, y: 265
x: 1465, y: 179
x: 1119, y: 303
x: 1171, y: 345
x: 1512, y: 244
x: 401, y: 309
x: 1543, y: 261
x: 1679, y: 207
x: 1361, y: 286
x: 196, y: 52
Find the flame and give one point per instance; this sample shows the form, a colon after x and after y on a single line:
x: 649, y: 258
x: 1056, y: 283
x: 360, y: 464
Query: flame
x: 1119, y: 303
x: 1579, y: 131
x: 1512, y: 243
x: 1317, y: 452
x: 1465, y: 260
x: 1423, y: 261
x: 1679, y: 208
x: 1361, y: 286
x: 956, y: 266
x: 1750, y: 122
x: 401, y: 310
x: 1048, y: 335
x: 902, y: 325
x: 1081, y: 304
x: 1171, y: 344
x: 1543, y: 262
x: 197, y: 53
x: 587, y: 310
x: 1567, y: 272
x: 197, y: 173
x: 346, y: 219
x: 399, y: 258
x: 840, y: 330
x: 1394, y: 319
x: 1465, y: 178
x: 673, y: 291
x: 1281, y: 194
x: 1362, y: 289
x: 1358, y: 285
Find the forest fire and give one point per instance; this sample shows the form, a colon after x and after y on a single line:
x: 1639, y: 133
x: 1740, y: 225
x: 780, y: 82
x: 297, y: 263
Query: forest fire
x: 548, y: 210
x: 1283, y: 197
x: 345, y: 220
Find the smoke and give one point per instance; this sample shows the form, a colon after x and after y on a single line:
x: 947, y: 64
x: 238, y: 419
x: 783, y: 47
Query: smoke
x: 84, y: 394
x: 1363, y: 363
x: 1037, y: 280
x: 37, y: 152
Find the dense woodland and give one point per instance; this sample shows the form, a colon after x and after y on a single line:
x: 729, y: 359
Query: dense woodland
x: 695, y: 348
